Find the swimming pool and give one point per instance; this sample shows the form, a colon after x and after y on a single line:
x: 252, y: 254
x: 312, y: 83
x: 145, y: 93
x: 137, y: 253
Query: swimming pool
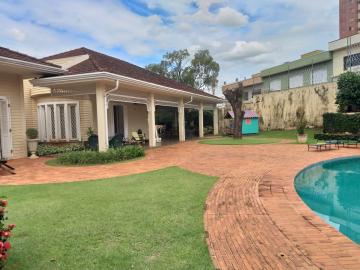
x: 332, y: 190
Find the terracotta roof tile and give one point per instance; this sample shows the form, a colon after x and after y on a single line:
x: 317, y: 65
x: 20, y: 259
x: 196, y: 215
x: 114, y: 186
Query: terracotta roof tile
x: 99, y: 62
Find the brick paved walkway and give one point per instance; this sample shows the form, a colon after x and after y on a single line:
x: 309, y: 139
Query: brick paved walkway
x: 254, y: 219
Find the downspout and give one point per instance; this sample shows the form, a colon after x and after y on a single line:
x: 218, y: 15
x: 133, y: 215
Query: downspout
x: 106, y: 110
x: 191, y: 100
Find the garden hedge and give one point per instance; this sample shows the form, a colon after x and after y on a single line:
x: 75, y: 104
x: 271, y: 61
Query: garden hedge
x: 45, y: 149
x: 341, y: 123
x: 94, y: 157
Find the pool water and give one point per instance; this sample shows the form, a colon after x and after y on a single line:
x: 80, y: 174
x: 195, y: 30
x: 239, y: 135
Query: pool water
x: 332, y: 190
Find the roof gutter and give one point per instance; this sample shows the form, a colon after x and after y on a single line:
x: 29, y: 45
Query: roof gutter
x: 33, y: 66
x: 95, y: 76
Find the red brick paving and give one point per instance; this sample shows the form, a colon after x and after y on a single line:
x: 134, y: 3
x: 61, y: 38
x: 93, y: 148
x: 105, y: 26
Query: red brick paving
x: 254, y: 218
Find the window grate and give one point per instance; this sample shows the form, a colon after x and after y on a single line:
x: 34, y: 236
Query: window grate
x: 73, y: 121
x: 59, y: 121
x: 62, y: 121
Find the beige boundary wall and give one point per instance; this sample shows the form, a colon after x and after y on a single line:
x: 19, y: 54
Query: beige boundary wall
x: 11, y: 88
x: 278, y: 109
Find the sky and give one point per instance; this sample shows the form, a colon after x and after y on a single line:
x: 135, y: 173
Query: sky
x: 244, y: 36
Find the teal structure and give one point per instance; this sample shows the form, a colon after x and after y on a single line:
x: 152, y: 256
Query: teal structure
x: 250, y: 126
x: 250, y: 122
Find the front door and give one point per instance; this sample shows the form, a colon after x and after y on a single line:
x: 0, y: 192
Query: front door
x: 5, y: 129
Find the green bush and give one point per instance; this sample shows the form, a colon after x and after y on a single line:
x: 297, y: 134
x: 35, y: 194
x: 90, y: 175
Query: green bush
x: 50, y: 149
x: 94, y: 157
x: 348, y: 96
x: 341, y: 123
x: 339, y: 137
x: 32, y: 133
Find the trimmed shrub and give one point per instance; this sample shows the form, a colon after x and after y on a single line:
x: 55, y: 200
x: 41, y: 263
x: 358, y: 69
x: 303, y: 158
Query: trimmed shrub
x: 50, y: 149
x: 32, y: 133
x: 341, y: 123
x: 340, y: 137
x: 94, y: 157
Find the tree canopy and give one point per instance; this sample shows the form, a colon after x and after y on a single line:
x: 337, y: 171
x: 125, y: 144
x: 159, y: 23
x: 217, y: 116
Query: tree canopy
x: 200, y: 72
x: 348, y: 96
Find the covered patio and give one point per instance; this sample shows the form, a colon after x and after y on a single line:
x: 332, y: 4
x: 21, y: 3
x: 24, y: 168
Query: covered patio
x: 126, y: 98
x: 122, y: 107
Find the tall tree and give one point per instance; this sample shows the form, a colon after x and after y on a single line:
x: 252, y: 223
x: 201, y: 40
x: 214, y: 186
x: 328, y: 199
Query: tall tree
x: 201, y: 72
x: 205, y: 71
x: 235, y: 98
x: 174, y: 65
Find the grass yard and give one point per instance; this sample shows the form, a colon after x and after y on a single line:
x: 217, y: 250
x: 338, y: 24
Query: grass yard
x: 245, y: 141
x: 147, y: 221
x: 266, y: 137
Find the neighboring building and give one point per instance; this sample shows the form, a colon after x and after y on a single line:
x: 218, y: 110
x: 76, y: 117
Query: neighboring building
x: 346, y: 54
x: 312, y: 68
x: 251, y: 86
x: 14, y: 67
x: 306, y: 83
x: 349, y: 18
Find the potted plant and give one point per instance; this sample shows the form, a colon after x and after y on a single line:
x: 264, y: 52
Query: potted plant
x: 301, y: 125
x: 32, y: 135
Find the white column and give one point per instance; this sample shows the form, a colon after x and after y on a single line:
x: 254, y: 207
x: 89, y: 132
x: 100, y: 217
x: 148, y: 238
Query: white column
x: 181, y: 118
x: 201, y: 120
x: 216, y: 121
x: 151, y: 120
x: 101, y: 114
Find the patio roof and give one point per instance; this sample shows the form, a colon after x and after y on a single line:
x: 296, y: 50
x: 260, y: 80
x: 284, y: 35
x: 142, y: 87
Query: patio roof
x: 97, y: 63
x: 16, y: 60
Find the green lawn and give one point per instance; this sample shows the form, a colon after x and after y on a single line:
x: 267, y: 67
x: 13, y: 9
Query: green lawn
x: 244, y: 141
x: 266, y: 137
x: 146, y: 221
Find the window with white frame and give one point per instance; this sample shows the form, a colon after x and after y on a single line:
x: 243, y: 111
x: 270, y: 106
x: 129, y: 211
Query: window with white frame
x: 296, y: 80
x: 275, y: 85
x: 320, y: 75
x: 59, y: 121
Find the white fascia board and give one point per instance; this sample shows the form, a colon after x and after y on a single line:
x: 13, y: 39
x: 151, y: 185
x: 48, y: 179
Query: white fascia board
x: 344, y: 43
x: 106, y: 76
x: 35, y: 67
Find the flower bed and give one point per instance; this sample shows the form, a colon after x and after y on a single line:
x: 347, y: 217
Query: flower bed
x: 5, y: 233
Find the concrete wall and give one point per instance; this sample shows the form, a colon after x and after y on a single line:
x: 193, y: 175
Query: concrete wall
x: 278, y: 109
x: 11, y: 87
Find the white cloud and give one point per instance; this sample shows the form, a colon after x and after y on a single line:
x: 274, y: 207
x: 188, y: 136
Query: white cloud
x: 243, y: 36
x: 17, y: 34
x: 245, y: 50
x: 230, y: 17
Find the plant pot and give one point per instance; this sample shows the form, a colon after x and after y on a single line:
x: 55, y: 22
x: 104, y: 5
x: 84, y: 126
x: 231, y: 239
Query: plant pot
x: 302, y: 138
x: 32, y: 145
